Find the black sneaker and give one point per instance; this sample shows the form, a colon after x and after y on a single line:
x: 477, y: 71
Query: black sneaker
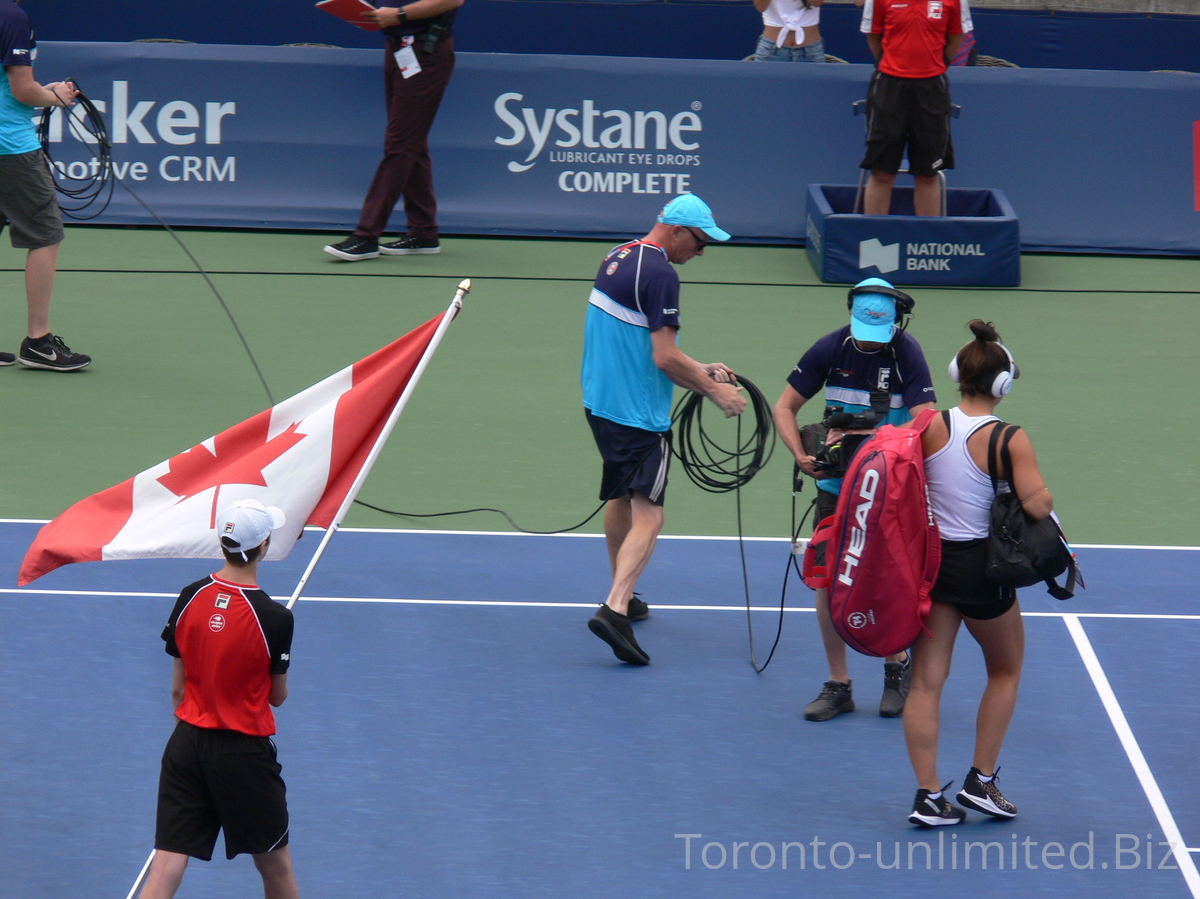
x: 354, y: 248
x: 896, y: 678
x: 835, y: 698
x: 7, y: 359
x: 409, y: 246
x: 938, y: 812
x: 614, y: 629
x: 638, y: 610
x: 985, y: 797
x: 51, y: 354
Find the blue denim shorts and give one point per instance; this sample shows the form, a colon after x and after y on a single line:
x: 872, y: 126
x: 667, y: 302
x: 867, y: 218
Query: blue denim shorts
x: 766, y: 51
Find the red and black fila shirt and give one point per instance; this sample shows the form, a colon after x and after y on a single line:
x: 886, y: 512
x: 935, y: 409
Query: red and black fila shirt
x: 232, y: 638
x: 915, y: 32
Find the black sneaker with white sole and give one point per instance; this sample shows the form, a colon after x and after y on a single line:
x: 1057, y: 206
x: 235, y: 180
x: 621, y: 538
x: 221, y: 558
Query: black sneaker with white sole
x: 51, y: 354
x: 929, y: 812
x: 354, y: 248
x: 8, y: 359
x: 985, y: 797
x: 410, y: 246
x: 613, y: 628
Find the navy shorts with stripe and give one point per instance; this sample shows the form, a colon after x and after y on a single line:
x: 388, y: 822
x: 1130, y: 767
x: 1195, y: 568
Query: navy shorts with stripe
x: 635, y: 461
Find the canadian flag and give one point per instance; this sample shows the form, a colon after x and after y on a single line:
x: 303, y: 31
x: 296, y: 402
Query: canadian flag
x: 304, y: 455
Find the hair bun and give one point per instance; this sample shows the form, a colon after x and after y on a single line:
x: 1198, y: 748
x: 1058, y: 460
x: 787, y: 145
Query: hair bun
x: 983, y: 331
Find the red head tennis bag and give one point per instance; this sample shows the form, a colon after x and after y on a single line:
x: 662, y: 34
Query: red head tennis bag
x: 882, y: 547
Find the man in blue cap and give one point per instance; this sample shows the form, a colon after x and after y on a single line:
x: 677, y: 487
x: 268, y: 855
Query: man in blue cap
x: 873, y: 368
x: 631, y: 362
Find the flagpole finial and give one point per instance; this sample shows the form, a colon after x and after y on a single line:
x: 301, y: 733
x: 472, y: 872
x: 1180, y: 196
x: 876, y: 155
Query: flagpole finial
x: 464, y: 286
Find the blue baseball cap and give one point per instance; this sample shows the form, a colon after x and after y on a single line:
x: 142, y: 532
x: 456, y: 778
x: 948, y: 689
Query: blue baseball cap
x: 692, y: 212
x: 873, y: 315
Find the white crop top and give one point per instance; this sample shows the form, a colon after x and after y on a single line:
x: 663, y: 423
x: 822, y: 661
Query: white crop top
x: 792, y: 17
x: 960, y: 495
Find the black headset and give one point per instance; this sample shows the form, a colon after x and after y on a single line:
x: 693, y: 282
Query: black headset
x: 904, y: 303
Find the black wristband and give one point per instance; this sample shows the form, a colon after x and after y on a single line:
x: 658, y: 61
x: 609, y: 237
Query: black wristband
x: 403, y: 17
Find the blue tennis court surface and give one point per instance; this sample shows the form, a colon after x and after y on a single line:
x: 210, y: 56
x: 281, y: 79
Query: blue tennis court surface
x: 455, y: 731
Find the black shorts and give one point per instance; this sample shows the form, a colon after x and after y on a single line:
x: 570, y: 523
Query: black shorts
x: 635, y: 461
x: 220, y: 779
x: 912, y: 113
x: 961, y: 582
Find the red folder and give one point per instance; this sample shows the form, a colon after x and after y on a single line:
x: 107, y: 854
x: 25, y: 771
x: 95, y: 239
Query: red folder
x: 351, y: 11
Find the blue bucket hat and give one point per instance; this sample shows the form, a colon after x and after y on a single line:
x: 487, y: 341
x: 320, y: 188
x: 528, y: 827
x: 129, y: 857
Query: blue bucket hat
x: 873, y: 315
x: 692, y: 212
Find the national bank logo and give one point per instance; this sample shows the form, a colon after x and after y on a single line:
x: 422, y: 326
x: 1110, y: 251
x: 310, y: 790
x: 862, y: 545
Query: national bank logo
x: 929, y: 256
x: 607, y: 150
x: 884, y: 257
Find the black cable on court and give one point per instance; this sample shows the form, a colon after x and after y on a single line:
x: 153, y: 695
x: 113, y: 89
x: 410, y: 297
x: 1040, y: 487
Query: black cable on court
x: 84, y: 193
x: 712, y: 466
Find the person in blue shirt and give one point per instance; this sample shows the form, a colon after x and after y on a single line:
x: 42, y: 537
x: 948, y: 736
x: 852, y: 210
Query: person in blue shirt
x: 27, y: 198
x: 631, y: 362
x: 870, y: 355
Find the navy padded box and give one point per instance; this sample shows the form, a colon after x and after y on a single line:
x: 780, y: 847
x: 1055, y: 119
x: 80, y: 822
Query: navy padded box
x: 976, y: 244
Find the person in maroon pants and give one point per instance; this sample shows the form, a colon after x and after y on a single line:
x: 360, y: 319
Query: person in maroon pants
x: 417, y: 68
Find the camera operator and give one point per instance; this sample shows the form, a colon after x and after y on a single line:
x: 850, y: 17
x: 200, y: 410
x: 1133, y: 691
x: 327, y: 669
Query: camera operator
x: 874, y: 373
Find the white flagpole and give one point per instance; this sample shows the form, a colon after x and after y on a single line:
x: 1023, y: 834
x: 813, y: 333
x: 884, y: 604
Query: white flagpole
x: 464, y: 287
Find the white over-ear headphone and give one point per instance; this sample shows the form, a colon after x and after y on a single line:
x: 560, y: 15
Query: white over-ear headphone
x: 1003, y: 381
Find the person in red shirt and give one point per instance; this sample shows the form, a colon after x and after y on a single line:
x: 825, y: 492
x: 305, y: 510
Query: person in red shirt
x: 908, y: 101
x: 232, y: 646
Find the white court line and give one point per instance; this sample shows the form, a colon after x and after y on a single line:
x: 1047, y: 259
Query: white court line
x: 677, y: 607
x: 436, y: 531
x: 1166, y: 820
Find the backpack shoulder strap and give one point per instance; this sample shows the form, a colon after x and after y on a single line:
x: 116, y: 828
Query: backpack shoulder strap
x: 921, y: 422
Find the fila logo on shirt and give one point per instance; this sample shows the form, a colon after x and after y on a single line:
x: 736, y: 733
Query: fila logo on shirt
x: 935, y: 9
x: 222, y: 601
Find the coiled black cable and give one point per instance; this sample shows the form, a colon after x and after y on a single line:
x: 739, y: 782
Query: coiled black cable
x: 711, y: 466
x: 96, y: 187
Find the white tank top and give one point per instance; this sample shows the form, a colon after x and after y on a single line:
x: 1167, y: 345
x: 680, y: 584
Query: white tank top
x: 792, y: 16
x: 960, y: 495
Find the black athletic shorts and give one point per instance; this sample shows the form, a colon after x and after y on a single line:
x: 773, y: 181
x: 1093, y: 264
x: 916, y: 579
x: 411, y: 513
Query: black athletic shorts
x: 962, y: 584
x: 635, y: 461
x: 220, y: 779
x: 912, y: 113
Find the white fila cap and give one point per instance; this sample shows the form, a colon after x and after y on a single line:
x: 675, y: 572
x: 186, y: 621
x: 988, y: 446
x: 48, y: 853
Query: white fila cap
x: 247, y: 523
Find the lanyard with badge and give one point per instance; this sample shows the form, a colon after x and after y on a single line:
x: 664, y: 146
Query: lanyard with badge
x: 406, y: 58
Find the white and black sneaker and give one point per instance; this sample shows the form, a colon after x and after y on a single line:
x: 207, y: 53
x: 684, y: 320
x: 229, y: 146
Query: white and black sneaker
x: 51, y: 354
x: 8, y: 359
x: 354, y: 248
x: 985, y: 797
x: 930, y: 812
x: 410, y: 246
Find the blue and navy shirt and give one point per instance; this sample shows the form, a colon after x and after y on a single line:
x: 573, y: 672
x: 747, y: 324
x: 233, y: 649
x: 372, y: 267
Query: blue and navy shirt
x: 849, y: 374
x: 636, y: 293
x: 17, y: 48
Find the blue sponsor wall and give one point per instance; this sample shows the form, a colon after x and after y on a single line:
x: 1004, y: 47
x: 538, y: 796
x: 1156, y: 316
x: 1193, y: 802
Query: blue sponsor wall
x: 693, y: 29
x: 280, y: 137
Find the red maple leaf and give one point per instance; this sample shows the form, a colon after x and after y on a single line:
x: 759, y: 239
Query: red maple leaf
x: 241, y: 454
